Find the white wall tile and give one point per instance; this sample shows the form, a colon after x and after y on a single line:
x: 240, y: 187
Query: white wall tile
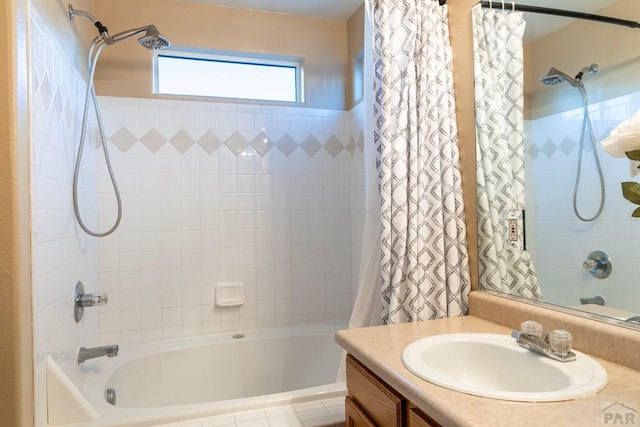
x: 200, y: 219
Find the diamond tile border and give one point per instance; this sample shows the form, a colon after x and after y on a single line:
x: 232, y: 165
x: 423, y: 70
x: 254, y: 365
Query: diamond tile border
x: 262, y: 144
x: 237, y: 143
x: 123, y: 139
x: 311, y: 146
x: 334, y: 134
x: 287, y: 145
x: 182, y: 141
x: 334, y: 146
x: 153, y: 140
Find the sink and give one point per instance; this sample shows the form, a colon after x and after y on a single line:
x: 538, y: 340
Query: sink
x: 495, y: 366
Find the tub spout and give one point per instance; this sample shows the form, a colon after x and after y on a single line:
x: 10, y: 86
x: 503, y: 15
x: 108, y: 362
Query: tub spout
x: 91, y: 353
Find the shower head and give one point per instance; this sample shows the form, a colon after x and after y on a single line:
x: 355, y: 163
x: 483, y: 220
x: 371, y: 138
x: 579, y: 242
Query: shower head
x: 555, y: 76
x: 152, y: 39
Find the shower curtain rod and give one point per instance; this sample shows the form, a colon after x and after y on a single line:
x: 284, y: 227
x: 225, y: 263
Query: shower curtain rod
x: 558, y: 12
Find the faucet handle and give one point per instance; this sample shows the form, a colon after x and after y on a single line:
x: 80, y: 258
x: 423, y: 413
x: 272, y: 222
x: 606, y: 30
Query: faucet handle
x: 82, y: 300
x: 560, y: 341
x: 93, y: 300
x: 531, y: 327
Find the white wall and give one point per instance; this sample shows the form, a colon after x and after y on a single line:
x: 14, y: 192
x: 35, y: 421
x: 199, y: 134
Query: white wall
x: 561, y: 242
x: 62, y: 255
x: 275, y: 214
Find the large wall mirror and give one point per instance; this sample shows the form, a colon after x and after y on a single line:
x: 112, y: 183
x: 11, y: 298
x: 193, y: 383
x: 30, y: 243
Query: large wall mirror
x: 554, y: 225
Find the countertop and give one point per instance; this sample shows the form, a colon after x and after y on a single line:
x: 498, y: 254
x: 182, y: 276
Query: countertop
x: 380, y: 348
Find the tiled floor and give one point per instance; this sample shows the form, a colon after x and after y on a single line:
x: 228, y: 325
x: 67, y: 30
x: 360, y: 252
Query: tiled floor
x: 320, y: 413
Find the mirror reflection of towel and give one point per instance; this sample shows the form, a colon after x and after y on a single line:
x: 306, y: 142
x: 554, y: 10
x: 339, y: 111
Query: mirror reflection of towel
x: 625, y: 137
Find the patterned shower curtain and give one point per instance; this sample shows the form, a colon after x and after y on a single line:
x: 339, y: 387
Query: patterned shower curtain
x: 499, y: 94
x: 425, y: 267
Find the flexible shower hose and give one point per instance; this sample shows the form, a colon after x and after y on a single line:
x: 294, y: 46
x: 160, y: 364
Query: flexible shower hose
x: 586, y: 123
x: 94, y: 52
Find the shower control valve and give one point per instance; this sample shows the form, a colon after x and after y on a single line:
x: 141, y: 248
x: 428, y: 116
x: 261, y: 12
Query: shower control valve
x: 91, y: 300
x: 82, y: 300
x: 598, y: 264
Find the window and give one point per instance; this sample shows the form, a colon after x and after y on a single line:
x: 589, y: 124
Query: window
x: 227, y: 76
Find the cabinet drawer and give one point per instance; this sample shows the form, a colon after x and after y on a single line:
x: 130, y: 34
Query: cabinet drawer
x: 417, y: 418
x: 383, y: 405
x: 355, y: 415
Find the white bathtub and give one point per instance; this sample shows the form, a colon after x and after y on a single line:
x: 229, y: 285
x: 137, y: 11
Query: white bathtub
x: 204, y: 376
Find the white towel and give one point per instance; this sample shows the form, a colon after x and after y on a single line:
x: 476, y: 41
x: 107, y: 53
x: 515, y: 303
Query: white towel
x: 625, y: 137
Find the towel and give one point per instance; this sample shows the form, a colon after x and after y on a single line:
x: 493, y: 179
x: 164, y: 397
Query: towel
x: 625, y: 137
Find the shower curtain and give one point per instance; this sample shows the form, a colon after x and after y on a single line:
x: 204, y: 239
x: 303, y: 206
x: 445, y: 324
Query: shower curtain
x: 425, y: 269
x: 499, y: 95
x: 367, y: 304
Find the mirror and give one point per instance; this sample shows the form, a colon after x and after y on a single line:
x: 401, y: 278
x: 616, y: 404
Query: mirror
x: 561, y: 259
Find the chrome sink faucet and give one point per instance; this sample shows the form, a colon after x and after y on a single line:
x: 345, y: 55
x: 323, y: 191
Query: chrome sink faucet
x: 91, y: 353
x: 635, y: 319
x: 555, y: 345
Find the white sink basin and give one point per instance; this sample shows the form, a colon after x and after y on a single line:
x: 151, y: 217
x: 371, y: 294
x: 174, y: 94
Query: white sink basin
x: 495, y: 366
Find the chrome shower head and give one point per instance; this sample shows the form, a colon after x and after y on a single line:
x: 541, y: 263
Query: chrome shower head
x: 153, y: 40
x: 555, y: 76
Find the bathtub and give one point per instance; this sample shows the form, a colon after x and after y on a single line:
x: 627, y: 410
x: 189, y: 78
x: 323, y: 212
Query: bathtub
x: 211, y: 375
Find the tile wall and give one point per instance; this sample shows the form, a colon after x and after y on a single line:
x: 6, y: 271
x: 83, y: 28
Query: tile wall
x: 224, y: 192
x: 62, y: 254
x: 561, y: 241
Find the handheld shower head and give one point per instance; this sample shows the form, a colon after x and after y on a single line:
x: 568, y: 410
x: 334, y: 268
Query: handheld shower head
x: 555, y: 76
x: 153, y: 40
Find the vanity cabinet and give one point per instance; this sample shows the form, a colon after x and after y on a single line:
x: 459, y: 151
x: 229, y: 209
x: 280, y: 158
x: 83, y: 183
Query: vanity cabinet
x: 355, y: 416
x: 417, y: 418
x: 373, y: 403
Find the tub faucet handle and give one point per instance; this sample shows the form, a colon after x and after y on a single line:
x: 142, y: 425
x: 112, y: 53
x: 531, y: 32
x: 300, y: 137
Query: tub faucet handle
x: 93, y: 300
x: 82, y: 300
x: 598, y: 264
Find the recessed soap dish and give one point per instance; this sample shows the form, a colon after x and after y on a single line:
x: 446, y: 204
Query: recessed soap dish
x: 229, y: 294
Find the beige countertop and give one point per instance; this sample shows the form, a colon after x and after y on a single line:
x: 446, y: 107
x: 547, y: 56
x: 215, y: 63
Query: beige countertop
x: 380, y: 349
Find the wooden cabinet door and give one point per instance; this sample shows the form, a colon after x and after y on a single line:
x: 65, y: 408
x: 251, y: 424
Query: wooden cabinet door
x: 417, y: 418
x: 383, y: 404
x: 355, y: 416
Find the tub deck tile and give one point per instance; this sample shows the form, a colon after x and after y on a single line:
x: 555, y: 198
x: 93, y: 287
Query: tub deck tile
x: 321, y: 413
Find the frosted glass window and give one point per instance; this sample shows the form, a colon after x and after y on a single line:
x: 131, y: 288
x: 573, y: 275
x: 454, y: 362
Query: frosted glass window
x: 228, y: 77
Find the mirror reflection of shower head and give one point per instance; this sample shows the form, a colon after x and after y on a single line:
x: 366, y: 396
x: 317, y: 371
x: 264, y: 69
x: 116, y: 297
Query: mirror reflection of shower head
x: 152, y: 39
x: 555, y: 76
x: 591, y: 69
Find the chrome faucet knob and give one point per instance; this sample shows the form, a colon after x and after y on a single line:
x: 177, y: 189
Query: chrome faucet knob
x: 93, y: 300
x: 598, y: 264
x: 560, y: 341
x: 82, y: 300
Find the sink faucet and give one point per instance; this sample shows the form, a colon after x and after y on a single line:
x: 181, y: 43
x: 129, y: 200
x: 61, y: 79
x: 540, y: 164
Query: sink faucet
x: 555, y: 345
x: 91, y: 353
x: 635, y: 319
